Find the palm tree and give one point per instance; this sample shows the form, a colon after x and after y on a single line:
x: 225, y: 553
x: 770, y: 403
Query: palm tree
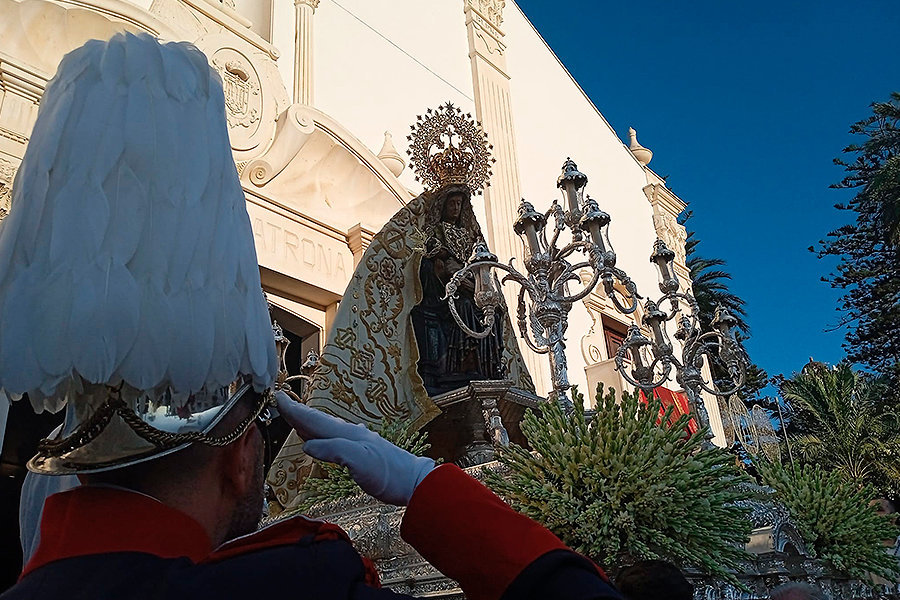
x: 709, y: 285
x: 845, y: 423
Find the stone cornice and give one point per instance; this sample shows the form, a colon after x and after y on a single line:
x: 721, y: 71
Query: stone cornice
x: 659, y: 194
x: 125, y: 12
x: 233, y: 22
x: 22, y: 80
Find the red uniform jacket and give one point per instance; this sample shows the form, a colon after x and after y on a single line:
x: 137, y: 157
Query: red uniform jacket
x: 104, y: 543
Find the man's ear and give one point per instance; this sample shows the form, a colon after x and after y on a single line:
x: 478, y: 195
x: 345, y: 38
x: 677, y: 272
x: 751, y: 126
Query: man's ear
x: 240, y: 461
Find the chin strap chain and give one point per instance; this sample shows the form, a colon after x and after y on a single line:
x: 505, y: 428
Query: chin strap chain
x: 164, y: 440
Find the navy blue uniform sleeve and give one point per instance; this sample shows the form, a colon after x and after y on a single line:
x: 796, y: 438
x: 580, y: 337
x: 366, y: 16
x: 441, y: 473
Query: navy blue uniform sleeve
x: 562, y: 575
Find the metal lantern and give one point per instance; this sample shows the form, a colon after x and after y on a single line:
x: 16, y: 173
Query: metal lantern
x: 485, y: 292
x: 724, y: 322
x: 572, y: 182
x: 528, y: 225
x: 656, y: 319
x: 663, y: 258
x: 596, y: 223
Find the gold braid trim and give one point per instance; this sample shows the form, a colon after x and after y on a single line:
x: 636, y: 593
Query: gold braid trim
x: 91, y: 428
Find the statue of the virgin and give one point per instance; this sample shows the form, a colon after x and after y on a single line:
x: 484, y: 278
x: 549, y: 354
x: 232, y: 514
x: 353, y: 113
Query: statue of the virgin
x: 393, y: 345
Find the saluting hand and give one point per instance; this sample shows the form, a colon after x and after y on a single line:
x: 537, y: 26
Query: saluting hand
x: 380, y: 468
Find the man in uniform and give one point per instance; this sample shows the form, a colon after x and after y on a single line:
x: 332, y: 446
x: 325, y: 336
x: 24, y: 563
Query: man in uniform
x: 130, y: 295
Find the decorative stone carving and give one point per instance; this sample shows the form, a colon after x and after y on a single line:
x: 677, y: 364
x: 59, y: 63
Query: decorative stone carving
x: 314, y: 4
x: 292, y: 129
x: 7, y: 174
x: 643, y: 155
x: 672, y: 233
x: 592, y: 341
x: 390, y: 156
x: 243, y: 95
x: 490, y: 10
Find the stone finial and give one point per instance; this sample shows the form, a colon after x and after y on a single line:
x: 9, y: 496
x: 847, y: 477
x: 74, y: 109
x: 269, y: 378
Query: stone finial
x: 390, y: 157
x: 643, y: 155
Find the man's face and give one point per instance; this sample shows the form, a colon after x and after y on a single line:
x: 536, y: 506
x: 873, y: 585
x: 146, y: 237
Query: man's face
x: 453, y: 207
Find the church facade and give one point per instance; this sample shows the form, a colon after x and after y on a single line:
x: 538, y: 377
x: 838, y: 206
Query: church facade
x: 320, y: 95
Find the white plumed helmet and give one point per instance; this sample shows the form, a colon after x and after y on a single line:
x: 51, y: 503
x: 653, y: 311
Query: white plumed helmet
x: 129, y: 284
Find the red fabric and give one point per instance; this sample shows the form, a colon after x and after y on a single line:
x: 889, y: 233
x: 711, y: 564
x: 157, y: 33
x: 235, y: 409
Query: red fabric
x: 469, y: 534
x: 679, y: 403
x: 96, y: 520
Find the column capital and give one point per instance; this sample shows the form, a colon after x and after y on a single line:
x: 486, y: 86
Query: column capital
x: 358, y: 239
x: 314, y: 4
x: 490, y: 10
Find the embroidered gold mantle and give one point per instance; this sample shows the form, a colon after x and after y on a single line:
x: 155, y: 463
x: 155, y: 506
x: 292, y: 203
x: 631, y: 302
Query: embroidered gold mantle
x: 367, y: 370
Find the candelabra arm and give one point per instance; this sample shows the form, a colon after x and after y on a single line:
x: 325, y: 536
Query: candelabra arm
x: 674, y: 299
x: 572, y: 247
x: 642, y: 376
x: 706, y: 344
x: 648, y: 385
x: 490, y: 309
x: 630, y: 287
x: 570, y: 274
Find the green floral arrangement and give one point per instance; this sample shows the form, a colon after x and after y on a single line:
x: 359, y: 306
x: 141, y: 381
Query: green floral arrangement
x: 836, y: 519
x: 623, y: 486
x: 331, y: 482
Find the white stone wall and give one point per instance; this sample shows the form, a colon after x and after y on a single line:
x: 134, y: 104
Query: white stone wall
x: 379, y: 63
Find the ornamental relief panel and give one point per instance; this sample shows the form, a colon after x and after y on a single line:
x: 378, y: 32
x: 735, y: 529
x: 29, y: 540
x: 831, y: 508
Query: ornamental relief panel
x: 7, y: 174
x: 243, y: 96
x: 254, y: 92
x: 492, y: 10
x: 673, y: 234
x: 485, y: 17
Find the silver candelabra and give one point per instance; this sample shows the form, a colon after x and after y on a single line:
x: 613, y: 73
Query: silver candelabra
x: 652, y: 360
x: 551, y: 264
x: 550, y: 267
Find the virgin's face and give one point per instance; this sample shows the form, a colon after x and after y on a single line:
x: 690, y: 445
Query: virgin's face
x: 452, y: 207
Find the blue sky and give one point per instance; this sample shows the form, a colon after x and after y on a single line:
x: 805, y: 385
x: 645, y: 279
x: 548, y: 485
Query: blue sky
x: 744, y: 104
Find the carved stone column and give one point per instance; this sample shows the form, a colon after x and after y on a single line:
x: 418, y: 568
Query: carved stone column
x: 303, y: 51
x: 493, y: 109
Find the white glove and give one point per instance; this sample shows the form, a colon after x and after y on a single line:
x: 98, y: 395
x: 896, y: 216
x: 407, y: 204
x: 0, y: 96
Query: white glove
x: 381, y: 469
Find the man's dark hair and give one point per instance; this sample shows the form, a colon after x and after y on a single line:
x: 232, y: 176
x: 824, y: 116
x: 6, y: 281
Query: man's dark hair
x: 654, y: 580
x: 797, y: 591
